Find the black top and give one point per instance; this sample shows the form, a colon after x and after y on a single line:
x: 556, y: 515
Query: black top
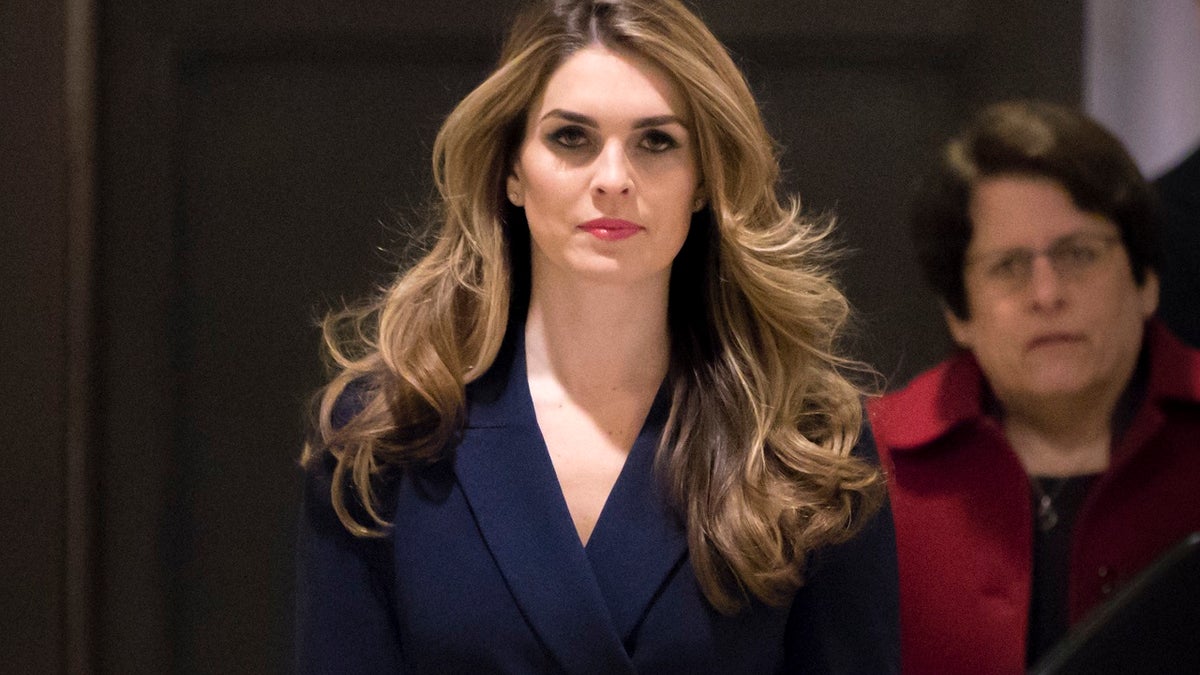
x: 1048, y: 612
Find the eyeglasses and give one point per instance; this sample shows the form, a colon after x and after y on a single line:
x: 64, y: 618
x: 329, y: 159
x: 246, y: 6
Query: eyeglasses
x: 1071, y: 258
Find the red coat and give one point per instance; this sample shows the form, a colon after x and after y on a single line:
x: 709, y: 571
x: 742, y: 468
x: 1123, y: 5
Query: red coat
x: 964, y: 522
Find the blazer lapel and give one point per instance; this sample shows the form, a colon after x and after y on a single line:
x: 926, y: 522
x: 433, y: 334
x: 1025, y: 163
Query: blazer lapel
x: 637, y: 543
x: 505, y: 472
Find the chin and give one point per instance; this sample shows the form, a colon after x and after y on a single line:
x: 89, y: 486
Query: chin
x: 611, y: 270
x: 1051, y: 385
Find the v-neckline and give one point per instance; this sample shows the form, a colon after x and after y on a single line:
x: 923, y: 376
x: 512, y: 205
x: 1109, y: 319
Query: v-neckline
x: 639, y: 458
x: 572, y: 596
x: 637, y: 473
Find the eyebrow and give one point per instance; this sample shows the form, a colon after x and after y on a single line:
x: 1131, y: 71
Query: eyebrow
x: 655, y: 121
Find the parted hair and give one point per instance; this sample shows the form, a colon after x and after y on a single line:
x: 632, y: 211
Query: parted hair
x: 755, y: 456
x: 1027, y: 138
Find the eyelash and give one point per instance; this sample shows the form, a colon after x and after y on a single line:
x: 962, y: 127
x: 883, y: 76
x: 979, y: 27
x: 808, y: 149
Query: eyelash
x: 658, y: 141
x: 569, y: 137
x: 573, y: 137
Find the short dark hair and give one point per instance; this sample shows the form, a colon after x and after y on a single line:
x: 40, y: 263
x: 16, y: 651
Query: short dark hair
x: 1028, y: 138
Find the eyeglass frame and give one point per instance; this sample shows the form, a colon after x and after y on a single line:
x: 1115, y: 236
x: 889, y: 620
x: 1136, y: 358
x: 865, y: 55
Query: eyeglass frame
x: 1063, y: 254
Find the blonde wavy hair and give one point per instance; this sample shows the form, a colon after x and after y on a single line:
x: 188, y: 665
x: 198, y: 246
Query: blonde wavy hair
x: 755, y: 456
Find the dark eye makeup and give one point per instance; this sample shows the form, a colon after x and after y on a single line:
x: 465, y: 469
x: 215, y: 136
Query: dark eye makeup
x: 656, y: 140
x: 574, y: 136
x: 570, y: 136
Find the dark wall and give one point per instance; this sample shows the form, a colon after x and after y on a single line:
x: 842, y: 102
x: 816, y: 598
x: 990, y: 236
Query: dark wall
x: 255, y: 161
x: 32, y: 307
x: 47, y: 99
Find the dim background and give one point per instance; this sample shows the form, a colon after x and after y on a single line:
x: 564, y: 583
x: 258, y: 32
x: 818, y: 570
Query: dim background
x: 186, y: 185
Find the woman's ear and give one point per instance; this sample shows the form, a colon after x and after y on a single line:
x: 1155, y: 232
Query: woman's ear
x: 699, y: 201
x: 1148, y: 294
x: 516, y: 191
x: 960, y: 329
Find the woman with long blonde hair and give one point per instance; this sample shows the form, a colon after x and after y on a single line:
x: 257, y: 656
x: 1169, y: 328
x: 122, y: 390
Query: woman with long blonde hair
x: 602, y: 426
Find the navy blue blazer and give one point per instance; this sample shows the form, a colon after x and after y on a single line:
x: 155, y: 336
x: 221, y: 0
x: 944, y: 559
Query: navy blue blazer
x: 483, y: 572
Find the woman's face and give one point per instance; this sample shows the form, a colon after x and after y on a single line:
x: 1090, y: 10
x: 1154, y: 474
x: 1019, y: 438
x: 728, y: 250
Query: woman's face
x: 607, y: 172
x: 1054, y: 308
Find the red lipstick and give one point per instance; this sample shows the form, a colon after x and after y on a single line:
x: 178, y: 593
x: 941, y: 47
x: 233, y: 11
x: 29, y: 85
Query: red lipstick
x: 610, y: 229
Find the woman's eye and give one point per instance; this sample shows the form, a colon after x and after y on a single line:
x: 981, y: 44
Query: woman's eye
x: 659, y: 141
x: 1008, y: 266
x: 1081, y: 254
x: 569, y: 137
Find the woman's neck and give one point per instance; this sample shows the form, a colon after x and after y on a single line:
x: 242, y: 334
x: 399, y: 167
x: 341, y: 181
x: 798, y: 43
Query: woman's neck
x: 595, y: 339
x: 1062, y: 439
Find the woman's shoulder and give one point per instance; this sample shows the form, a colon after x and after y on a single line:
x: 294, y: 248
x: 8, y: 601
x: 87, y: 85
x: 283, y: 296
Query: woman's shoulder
x: 322, y: 470
x: 321, y: 476
x: 351, y: 401
x: 931, y: 404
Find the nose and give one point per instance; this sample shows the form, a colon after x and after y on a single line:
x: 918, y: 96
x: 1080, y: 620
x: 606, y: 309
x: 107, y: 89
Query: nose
x: 613, y: 173
x: 1046, y: 285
